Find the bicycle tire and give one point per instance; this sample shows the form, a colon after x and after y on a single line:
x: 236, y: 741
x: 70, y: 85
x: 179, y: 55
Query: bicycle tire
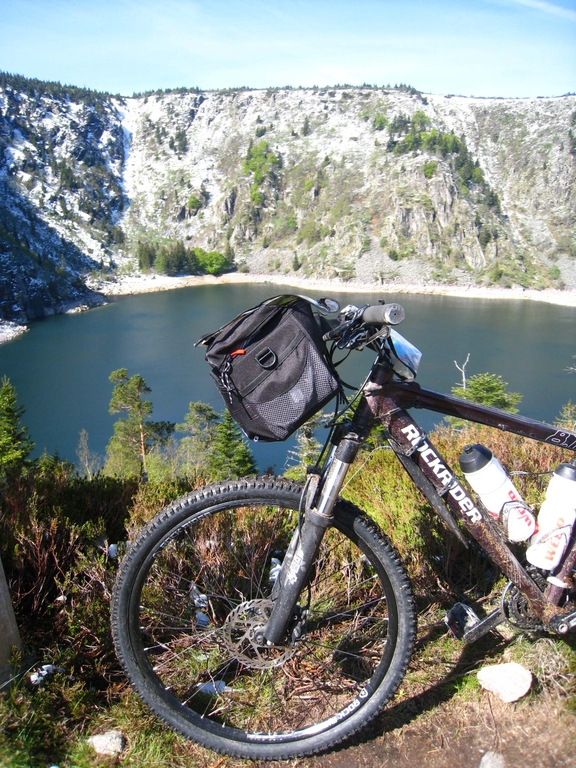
x: 196, y: 581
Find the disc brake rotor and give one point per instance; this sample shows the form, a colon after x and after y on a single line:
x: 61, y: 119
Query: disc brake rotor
x: 243, y: 636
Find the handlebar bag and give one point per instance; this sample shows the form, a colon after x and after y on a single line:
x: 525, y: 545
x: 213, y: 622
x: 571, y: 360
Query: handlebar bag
x: 271, y: 367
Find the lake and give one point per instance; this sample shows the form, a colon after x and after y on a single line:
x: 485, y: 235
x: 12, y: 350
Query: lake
x: 61, y: 367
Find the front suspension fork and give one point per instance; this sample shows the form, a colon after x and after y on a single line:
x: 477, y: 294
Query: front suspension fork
x: 302, y: 552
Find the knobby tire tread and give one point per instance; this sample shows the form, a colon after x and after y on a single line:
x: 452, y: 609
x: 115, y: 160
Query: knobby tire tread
x: 265, y: 489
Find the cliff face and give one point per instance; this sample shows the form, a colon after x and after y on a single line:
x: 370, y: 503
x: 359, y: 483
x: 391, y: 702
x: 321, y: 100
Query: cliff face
x: 374, y: 184
x: 61, y: 195
x: 350, y: 182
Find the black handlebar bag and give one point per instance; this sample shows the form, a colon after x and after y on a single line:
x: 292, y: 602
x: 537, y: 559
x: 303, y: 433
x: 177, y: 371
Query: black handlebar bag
x: 271, y: 367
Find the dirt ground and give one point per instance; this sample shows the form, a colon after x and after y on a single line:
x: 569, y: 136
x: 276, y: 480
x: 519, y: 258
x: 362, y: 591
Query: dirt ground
x: 457, y: 734
x: 435, y: 725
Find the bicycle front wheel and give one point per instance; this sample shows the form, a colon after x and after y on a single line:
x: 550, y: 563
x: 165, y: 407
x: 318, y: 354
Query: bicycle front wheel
x: 194, y: 591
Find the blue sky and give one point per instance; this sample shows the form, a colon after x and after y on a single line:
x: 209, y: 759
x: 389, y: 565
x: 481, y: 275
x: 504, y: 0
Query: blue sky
x: 471, y: 47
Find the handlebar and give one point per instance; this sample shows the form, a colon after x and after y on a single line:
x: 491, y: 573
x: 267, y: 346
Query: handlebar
x: 383, y: 314
x: 354, y: 323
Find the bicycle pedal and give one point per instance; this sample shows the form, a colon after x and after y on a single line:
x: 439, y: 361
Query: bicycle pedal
x: 460, y: 619
x: 564, y: 623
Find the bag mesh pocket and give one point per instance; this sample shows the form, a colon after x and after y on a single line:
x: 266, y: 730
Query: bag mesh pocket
x: 314, y: 385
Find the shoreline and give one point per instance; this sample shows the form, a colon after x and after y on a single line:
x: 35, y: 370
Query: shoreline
x: 135, y: 285
x: 128, y: 286
x: 10, y: 330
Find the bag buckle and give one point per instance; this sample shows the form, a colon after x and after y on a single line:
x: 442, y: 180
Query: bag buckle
x: 266, y: 358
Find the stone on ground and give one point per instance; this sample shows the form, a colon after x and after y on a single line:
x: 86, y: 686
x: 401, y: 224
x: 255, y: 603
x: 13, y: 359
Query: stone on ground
x: 492, y: 760
x: 508, y: 681
x: 108, y: 744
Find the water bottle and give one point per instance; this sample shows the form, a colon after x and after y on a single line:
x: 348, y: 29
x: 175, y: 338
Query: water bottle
x: 555, y: 519
x: 490, y: 481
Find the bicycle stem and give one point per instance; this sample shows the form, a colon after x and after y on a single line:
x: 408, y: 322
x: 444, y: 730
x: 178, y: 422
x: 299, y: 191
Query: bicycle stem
x: 306, y: 542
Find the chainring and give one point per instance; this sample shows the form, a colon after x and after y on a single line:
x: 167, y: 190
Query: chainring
x: 517, y: 609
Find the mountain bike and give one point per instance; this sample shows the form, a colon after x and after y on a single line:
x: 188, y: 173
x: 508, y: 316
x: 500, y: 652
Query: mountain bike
x: 268, y: 619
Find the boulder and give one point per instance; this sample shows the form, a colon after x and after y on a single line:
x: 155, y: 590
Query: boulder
x: 109, y: 744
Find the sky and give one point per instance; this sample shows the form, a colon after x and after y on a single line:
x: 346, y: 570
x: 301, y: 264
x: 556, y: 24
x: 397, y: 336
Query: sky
x: 503, y: 48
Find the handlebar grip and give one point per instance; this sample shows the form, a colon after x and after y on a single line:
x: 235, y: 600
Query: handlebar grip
x: 384, y: 314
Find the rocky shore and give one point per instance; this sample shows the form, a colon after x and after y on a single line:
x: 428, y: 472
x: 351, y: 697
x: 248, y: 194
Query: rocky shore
x: 9, y: 330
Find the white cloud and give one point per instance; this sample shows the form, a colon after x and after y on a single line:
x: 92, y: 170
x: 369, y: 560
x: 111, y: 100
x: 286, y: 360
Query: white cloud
x: 552, y: 8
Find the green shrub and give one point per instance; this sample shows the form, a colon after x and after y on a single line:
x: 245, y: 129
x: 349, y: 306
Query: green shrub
x: 255, y: 195
x: 380, y: 122
x: 284, y: 225
x: 194, y: 203
x: 310, y: 232
x: 212, y: 262
x: 260, y: 161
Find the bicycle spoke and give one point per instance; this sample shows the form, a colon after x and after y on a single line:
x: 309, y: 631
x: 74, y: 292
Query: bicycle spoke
x: 203, y: 597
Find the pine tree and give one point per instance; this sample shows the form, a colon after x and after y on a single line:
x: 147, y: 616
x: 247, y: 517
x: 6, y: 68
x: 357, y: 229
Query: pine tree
x: 486, y: 389
x: 567, y: 416
x: 15, y: 445
x: 489, y: 389
x: 197, y: 446
x: 231, y: 457
x: 134, y: 435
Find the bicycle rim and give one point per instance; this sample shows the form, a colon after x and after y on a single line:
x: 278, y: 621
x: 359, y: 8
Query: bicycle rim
x: 196, y: 590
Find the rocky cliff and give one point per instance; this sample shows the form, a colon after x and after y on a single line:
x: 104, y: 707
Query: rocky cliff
x: 351, y: 183
x: 62, y: 153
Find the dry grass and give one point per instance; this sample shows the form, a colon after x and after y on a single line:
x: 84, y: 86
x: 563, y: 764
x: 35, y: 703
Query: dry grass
x: 440, y: 716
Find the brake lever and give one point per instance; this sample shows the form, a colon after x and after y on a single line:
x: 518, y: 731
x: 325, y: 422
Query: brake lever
x: 350, y: 316
x: 383, y: 333
x: 353, y: 340
x: 348, y: 338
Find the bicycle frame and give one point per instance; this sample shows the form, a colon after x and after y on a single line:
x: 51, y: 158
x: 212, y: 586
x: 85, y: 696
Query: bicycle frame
x: 385, y: 400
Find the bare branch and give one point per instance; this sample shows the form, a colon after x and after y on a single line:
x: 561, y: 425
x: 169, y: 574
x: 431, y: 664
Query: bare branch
x: 463, y: 369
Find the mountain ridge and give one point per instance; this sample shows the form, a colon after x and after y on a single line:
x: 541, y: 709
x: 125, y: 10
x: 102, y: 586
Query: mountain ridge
x: 363, y: 184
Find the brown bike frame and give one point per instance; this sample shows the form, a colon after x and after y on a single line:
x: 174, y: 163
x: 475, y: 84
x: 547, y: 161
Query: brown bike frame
x: 386, y: 400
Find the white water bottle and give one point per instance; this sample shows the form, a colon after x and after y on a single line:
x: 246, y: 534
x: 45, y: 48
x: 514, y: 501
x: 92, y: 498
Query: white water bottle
x: 555, y: 519
x: 498, y: 494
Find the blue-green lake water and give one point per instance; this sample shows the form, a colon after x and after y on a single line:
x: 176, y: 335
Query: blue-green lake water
x: 61, y: 367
